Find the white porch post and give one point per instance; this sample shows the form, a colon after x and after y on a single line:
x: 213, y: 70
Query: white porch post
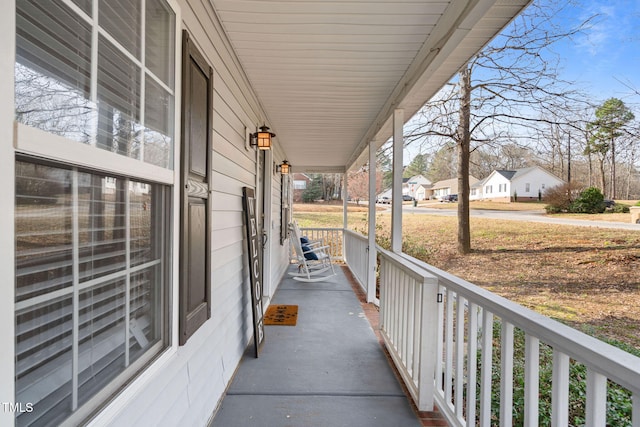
x: 372, y: 255
x: 396, y: 192
x: 345, y: 196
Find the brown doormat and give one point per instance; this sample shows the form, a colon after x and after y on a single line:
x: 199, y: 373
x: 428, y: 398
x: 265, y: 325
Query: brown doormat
x: 283, y: 315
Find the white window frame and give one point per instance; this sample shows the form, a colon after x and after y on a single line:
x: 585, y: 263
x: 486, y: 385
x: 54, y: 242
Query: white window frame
x: 21, y: 139
x: 7, y: 199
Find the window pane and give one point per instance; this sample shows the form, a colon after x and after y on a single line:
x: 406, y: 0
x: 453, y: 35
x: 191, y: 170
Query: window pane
x: 159, y: 38
x: 122, y: 20
x: 101, y: 225
x: 85, y: 5
x: 102, y: 336
x: 158, y: 136
x: 43, y: 361
x: 122, y: 308
x: 53, y: 72
x: 146, y: 302
x: 43, y: 230
x: 142, y: 207
x: 118, y: 101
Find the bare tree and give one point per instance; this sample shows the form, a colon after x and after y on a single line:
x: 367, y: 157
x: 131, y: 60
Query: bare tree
x: 358, y: 184
x: 502, y: 94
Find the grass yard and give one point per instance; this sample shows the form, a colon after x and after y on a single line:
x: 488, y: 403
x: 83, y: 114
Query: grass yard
x: 586, y: 277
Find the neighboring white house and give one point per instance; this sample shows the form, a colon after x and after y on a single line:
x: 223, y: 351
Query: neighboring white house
x: 418, y: 187
x: 524, y: 184
x: 448, y: 186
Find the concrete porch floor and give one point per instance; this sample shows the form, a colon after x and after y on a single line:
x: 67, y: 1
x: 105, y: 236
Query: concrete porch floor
x: 328, y: 370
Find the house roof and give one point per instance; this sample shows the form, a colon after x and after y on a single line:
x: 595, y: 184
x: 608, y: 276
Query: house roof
x: 507, y: 174
x: 329, y: 75
x: 479, y: 183
x: 515, y: 174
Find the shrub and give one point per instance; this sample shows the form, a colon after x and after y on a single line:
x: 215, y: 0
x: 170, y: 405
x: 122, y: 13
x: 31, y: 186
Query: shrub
x: 620, y: 208
x: 590, y: 201
x: 560, y: 197
x: 311, y: 194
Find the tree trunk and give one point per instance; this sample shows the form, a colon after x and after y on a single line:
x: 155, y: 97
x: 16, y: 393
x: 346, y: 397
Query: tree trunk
x: 613, y: 169
x: 603, y: 177
x: 464, y: 142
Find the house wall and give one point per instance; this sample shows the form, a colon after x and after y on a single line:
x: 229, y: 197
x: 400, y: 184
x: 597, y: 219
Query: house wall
x: 187, y: 389
x: 538, y: 180
x: 494, y: 182
x: 185, y: 383
x: 477, y: 194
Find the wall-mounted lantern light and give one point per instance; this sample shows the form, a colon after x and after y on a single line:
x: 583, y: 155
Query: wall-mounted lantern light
x: 262, y: 138
x: 284, y: 168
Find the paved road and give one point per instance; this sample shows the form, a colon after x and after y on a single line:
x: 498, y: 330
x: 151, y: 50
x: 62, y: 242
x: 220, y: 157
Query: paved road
x: 531, y: 216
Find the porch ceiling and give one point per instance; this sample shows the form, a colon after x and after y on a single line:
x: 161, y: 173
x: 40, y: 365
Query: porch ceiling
x: 330, y: 73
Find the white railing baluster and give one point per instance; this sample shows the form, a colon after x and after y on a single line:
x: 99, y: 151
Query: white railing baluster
x: 415, y: 351
x: 440, y: 340
x: 459, y: 366
x: 506, y: 374
x: 636, y: 410
x: 560, y: 390
x: 486, y: 369
x: 596, y: 406
x: 472, y: 364
x: 531, y: 380
x: 448, y: 350
x: 405, y: 316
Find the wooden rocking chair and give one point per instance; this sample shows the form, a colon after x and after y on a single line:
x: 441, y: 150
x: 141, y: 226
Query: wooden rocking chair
x: 314, y: 261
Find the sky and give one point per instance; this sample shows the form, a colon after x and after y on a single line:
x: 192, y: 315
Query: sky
x: 604, y: 59
x: 607, y: 53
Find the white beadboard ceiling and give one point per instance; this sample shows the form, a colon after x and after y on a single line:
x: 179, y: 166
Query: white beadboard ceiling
x: 329, y: 73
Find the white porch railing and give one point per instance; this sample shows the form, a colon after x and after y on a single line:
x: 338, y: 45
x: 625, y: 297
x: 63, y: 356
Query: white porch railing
x: 333, y: 237
x: 465, y: 337
x: 408, y: 314
x: 356, y: 248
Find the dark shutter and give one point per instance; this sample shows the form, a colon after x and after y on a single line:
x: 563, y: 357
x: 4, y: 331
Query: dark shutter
x: 195, y: 234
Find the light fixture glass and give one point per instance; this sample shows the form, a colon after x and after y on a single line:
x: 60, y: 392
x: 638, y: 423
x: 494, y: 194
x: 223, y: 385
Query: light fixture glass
x: 262, y: 138
x: 284, y: 168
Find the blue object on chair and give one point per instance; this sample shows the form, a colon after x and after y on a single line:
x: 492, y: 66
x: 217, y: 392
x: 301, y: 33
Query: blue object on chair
x: 304, y: 240
x: 308, y: 253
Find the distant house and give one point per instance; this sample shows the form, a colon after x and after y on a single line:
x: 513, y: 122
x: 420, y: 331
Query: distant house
x: 301, y: 182
x: 448, y: 186
x: 522, y: 184
x: 418, y: 187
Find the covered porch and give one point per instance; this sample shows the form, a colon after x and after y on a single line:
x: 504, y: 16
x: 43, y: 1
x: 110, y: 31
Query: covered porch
x: 448, y: 341
x: 329, y: 369
x: 334, y: 81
